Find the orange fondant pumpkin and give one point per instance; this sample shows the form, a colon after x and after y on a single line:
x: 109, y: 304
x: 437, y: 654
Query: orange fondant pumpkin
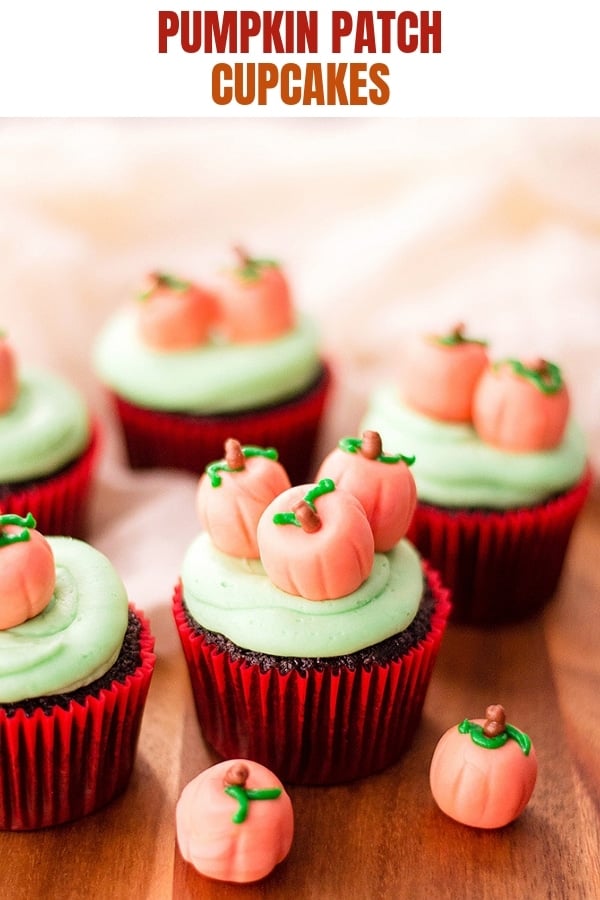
x: 27, y: 573
x: 315, y: 541
x: 235, y: 821
x: 521, y: 408
x: 8, y: 375
x: 439, y: 374
x: 255, y: 301
x: 174, y: 314
x: 234, y: 492
x: 383, y: 484
x: 483, y: 771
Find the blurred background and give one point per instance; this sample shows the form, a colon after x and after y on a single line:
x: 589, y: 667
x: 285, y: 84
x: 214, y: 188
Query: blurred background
x: 386, y: 226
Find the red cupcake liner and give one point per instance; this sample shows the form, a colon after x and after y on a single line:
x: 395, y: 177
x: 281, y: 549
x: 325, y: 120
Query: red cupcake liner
x: 312, y: 726
x: 171, y: 440
x: 62, y: 766
x: 59, y: 502
x: 501, y: 567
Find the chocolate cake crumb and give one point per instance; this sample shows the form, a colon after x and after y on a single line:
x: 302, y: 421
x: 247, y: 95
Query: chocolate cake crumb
x: 126, y: 663
x: 386, y: 651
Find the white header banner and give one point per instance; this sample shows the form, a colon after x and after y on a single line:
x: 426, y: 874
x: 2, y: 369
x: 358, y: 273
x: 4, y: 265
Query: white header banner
x: 459, y: 58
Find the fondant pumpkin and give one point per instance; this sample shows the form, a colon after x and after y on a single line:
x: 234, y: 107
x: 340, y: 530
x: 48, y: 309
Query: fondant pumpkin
x: 315, y: 541
x: 8, y: 375
x: 383, y: 484
x: 175, y: 314
x: 234, y: 492
x: 255, y: 301
x: 439, y: 374
x: 27, y: 572
x: 521, y: 408
x: 483, y: 771
x: 235, y: 821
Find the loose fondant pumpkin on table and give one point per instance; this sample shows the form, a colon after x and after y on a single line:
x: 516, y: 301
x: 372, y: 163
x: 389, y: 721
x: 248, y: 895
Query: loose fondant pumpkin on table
x: 440, y: 372
x: 483, y: 771
x: 300, y: 535
x: 27, y: 573
x: 8, y: 375
x: 521, y: 407
x: 234, y: 492
x: 235, y: 821
x: 255, y: 300
x: 174, y: 314
x: 382, y: 482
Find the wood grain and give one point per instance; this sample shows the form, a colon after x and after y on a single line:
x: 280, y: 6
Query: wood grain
x: 382, y: 837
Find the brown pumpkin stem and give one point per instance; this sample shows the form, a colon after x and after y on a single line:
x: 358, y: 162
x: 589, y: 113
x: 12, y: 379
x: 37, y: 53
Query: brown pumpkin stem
x: 371, y: 444
x: 495, y: 721
x: 307, y: 516
x: 540, y: 366
x: 234, y: 458
x: 242, y: 255
x: 236, y: 774
x: 458, y: 330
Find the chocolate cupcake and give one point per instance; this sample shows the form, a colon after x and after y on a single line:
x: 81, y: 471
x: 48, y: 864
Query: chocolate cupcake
x: 70, y: 713
x: 314, y: 656
x: 186, y: 367
x: 501, y: 472
x: 48, y: 447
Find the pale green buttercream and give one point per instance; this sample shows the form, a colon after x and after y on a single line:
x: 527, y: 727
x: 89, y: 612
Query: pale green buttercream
x: 79, y: 635
x: 234, y: 597
x: 45, y: 429
x: 216, y: 377
x: 455, y: 468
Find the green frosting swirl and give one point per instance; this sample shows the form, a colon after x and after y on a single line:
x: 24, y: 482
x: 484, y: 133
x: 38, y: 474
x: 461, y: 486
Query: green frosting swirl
x: 45, y: 429
x: 79, y: 635
x: 234, y: 597
x: 455, y: 468
x: 216, y: 377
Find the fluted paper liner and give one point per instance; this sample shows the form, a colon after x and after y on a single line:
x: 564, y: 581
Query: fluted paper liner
x: 501, y: 566
x: 59, y: 501
x: 62, y: 766
x: 312, y: 727
x: 172, y: 440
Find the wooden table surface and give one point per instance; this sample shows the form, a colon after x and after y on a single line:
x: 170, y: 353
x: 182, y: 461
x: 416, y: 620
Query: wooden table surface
x: 382, y: 837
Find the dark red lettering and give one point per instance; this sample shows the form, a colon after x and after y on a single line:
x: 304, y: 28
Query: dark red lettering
x: 168, y: 26
x: 249, y: 27
x: 191, y: 37
x: 272, y: 42
x: 408, y: 41
x: 431, y: 29
x: 341, y: 26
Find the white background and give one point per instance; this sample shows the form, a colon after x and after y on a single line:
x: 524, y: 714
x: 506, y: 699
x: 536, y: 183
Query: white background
x: 92, y: 58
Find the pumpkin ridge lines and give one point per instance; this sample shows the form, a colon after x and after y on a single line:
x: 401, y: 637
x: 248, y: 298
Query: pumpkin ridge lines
x: 247, y: 525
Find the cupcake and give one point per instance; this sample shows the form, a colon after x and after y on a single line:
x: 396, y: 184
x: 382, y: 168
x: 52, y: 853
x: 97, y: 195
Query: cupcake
x: 313, y: 655
x: 48, y: 447
x: 186, y: 367
x: 75, y: 667
x: 501, y: 471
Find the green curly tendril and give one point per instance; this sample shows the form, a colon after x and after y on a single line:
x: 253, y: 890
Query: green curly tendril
x: 220, y: 465
x: 21, y: 536
x: 325, y: 486
x: 353, y: 445
x: 457, y: 337
x: 548, y: 380
x: 251, y: 268
x: 478, y: 737
x: 244, y: 795
x: 163, y: 279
